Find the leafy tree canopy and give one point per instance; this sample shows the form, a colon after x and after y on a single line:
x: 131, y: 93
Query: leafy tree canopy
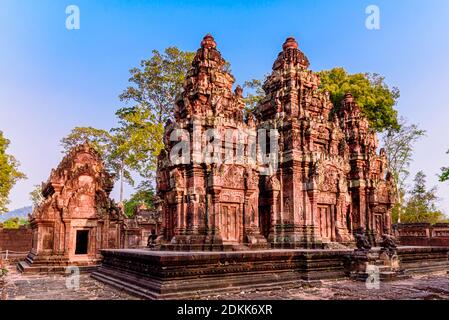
x: 254, y: 94
x: 15, y: 223
x: 36, y: 196
x: 444, y: 173
x: 152, y: 96
x: 9, y: 173
x: 421, y: 205
x: 375, y: 98
x: 108, y: 145
x: 141, y: 197
x: 398, y: 144
x: 156, y: 84
x: 99, y: 139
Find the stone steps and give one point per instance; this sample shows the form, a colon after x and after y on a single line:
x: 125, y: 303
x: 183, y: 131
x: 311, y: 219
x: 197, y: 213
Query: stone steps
x: 29, y: 268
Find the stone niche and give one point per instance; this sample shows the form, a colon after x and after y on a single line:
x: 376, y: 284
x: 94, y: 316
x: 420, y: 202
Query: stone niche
x: 77, y: 218
x: 329, y: 181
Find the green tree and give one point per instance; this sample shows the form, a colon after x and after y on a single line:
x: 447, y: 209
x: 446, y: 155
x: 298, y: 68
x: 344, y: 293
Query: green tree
x: 254, y: 94
x: 422, y: 203
x: 99, y: 139
x: 36, y: 196
x: 15, y: 223
x: 143, y: 142
x: 141, y: 197
x: 156, y: 84
x: 152, y: 95
x: 9, y: 173
x: 375, y: 98
x: 398, y: 144
x: 444, y: 173
x: 108, y: 145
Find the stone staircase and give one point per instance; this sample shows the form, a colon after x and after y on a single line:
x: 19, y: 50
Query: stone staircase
x: 388, y: 273
x: 377, y: 265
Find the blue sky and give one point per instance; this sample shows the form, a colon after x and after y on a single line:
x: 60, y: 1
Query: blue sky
x: 52, y: 79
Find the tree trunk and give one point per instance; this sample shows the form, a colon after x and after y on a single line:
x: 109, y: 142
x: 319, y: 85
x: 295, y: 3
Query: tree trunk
x: 400, y: 200
x: 121, y: 181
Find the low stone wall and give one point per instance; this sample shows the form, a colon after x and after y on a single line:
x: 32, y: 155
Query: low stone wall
x: 423, y: 234
x: 18, y: 240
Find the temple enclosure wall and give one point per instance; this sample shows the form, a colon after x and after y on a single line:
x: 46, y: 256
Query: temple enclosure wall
x: 423, y: 234
x: 19, y: 240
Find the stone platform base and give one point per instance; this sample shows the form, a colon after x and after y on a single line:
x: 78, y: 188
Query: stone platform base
x: 186, y: 275
x: 173, y: 275
x: 34, y: 264
x: 26, y: 268
x: 424, y: 259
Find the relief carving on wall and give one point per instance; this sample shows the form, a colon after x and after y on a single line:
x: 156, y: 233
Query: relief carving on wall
x: 233, y: 177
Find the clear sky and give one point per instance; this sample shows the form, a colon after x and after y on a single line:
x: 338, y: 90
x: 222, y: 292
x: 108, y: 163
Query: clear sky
x: 53, y: 79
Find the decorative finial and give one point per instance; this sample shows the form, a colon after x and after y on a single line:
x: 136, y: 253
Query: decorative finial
x: 238, y: 91
x: 208, y: 42
x: 290, y: 43
x: 348, y: 97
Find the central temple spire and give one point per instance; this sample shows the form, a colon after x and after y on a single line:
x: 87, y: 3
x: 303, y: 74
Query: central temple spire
x: 208, y: 87
x: 208, y: 42
x: 290, y: 43
x: 291, y: 56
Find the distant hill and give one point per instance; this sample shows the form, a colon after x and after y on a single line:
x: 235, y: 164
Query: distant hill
x: 19, y: 213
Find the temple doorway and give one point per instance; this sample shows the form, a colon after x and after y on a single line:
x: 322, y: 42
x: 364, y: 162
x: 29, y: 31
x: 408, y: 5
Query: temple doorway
x: 82, y: 242
x: 229, y: 222
x: 265, y: 220
x: 325, y: 221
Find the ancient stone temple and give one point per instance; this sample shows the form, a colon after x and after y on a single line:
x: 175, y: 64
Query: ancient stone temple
x: 298, y: 173
x: 208, y: 202
x: 328, y: 181
x: 76, y: 218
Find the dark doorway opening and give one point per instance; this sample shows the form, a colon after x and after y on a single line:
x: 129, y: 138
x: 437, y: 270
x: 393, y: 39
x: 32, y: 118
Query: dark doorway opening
x: 82, y: 241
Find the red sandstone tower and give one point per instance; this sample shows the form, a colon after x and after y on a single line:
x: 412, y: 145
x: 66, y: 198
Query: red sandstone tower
x: 328, y: 183
x: 312, y: 200
x: 331, y: 181
x: 209, y: 203
x: 370, y: 182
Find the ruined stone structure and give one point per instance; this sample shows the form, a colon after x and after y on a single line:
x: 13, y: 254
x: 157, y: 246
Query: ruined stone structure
x: 138, y: 230
x: 422, y: 234
x: 209, y: 204
x: 329, y: 181
x: 76, y: 218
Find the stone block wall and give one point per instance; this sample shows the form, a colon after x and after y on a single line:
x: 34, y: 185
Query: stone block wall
x: 19, y: 240
x: 423, y: 234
